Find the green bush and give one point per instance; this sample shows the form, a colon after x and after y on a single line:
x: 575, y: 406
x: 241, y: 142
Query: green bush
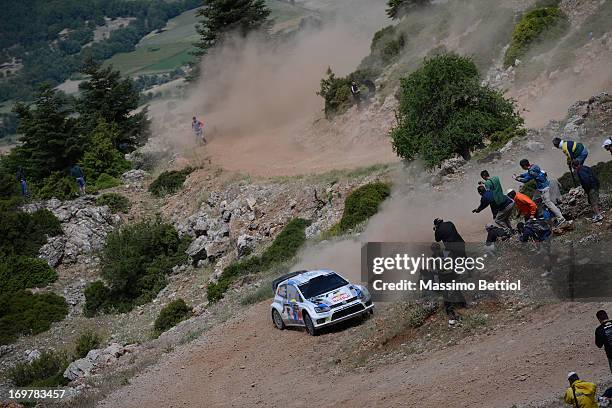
x: 58, y: 185
x: 173, y: 313
x: 385, y: 48
x: 101, y: 157
x: 528, y: 188
x: 535, y: 26
x: 116, y: 202
x: 362, y: 203
x: 45, y: 371
x: 103, y: 182
x: 21, y: 272
x: 22, y: 233
x: 169, y: 182
x: 500, y: 138
x: 337, y: 91
x: 97, y: 298
x: 27, y: 313
x: 85, y: 343
x: 603, y: 171
x: 284, y: 247
x: 135, y: 262
x: 444, y: 110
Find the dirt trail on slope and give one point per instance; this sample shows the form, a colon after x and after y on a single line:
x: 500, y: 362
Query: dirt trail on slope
x: 246, y: 362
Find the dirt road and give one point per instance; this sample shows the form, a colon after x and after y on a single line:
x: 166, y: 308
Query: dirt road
x: 246, y: 362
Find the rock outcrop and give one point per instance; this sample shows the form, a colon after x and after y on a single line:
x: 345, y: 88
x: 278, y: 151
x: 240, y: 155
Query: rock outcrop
x: 85, y: 228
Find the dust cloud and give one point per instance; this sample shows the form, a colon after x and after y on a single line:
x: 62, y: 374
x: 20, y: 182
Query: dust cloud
x: 407, y: 217
x: 258, y: 98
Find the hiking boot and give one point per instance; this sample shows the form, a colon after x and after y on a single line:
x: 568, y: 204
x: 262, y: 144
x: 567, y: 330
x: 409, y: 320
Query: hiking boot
x: 597, y: 218
x: 452, y: 323
x: 561, y: 223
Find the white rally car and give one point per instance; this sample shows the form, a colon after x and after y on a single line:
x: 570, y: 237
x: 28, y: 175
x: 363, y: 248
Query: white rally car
x: 314, y: 299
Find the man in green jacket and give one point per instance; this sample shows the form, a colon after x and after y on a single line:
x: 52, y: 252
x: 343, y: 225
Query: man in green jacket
x: 493, y: 185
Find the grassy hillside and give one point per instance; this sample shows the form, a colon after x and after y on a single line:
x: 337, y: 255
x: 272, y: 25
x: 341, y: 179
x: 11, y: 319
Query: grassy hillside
x: 169, y: 49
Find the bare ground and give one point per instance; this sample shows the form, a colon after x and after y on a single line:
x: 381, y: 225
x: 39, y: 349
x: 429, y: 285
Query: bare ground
x: 246, y: 362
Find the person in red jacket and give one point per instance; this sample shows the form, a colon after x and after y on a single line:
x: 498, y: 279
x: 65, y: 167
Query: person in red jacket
x: 524, y: 205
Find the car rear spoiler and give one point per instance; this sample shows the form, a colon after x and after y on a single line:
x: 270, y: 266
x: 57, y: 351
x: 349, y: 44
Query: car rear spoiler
x: 278, y: 280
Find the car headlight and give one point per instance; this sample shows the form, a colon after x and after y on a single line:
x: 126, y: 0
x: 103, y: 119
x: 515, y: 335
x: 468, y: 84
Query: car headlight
x: 322, y: 309
x: 363, y: 293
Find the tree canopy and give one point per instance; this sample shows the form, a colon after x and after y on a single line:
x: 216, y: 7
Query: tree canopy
x: 398, y: 8
x: 444, y: 110
x: 221, y: 17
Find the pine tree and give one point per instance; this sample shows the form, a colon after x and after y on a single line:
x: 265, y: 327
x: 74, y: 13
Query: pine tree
x: 399, y: 8
x: 220, y: 17
x: 50, y: 141
x: 107, y: 96
x: 101, y: 156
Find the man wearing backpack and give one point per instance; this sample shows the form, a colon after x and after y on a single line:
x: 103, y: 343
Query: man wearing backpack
x: 603, y: 334
x: 590, y: 185
x: 573, y: 150
x: 580, y: 394
x: 534, y: 172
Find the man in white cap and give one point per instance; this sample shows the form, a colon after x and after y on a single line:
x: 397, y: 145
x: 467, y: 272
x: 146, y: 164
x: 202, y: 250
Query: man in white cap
x: 607, y: 144
x: 580, y: 394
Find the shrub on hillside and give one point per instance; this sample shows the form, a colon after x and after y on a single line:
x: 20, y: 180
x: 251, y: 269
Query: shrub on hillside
x: 135, y: 261
x: 337, y: 91
x: 602, y: 170
x: 362, y: 203
x: 23, y: 233
x: 58, y: 185
x: 173, y: 313
x: 169, y: 182
x: 97, y: 298
x: 284, y: 247
x: 21, y: 272
x: 101, y: 156
x: 103, y: 182
x: 45, y: 371
x: 26, y: 313
x: 85, y: 343
x: 537, y: 25
x: 116, y: 202
x: 444, y: 110
x: 385, y: 48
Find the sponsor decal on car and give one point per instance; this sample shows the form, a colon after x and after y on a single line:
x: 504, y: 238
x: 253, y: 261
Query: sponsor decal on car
x: 340, y: 297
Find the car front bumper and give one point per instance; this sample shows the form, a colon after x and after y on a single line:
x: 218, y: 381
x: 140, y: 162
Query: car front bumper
x: 341, y: 314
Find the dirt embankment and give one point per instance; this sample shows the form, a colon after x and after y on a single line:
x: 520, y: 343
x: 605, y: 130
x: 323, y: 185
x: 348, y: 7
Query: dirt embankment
x: 246, y: 362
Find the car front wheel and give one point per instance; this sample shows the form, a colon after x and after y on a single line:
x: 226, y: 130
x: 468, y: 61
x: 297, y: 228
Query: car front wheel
x: 310, y: 328
x: 278, y: 320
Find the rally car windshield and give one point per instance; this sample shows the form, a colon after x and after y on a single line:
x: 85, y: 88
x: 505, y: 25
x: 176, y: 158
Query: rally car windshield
x: 322, y: 284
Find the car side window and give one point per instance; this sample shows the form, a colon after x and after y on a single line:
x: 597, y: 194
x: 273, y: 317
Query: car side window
x: 293, y: 294
x: 282, y: 291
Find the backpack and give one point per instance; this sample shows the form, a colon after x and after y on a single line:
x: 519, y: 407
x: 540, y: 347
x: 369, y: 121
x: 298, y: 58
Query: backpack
x: 539, y: 228
x: 607, y: 330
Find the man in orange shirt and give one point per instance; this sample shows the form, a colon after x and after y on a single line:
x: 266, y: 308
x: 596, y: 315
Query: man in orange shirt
x: 524, y: 205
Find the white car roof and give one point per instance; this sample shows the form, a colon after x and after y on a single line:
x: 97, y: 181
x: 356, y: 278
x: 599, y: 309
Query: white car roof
x: 306, y: 276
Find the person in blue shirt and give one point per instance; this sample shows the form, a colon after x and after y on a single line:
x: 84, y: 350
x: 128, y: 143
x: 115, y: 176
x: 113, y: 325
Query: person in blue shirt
x: 78, y: 174
x: 22, y: 182
x: 501, y: 213
x: 590, y: 185
x: 533, y: 172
